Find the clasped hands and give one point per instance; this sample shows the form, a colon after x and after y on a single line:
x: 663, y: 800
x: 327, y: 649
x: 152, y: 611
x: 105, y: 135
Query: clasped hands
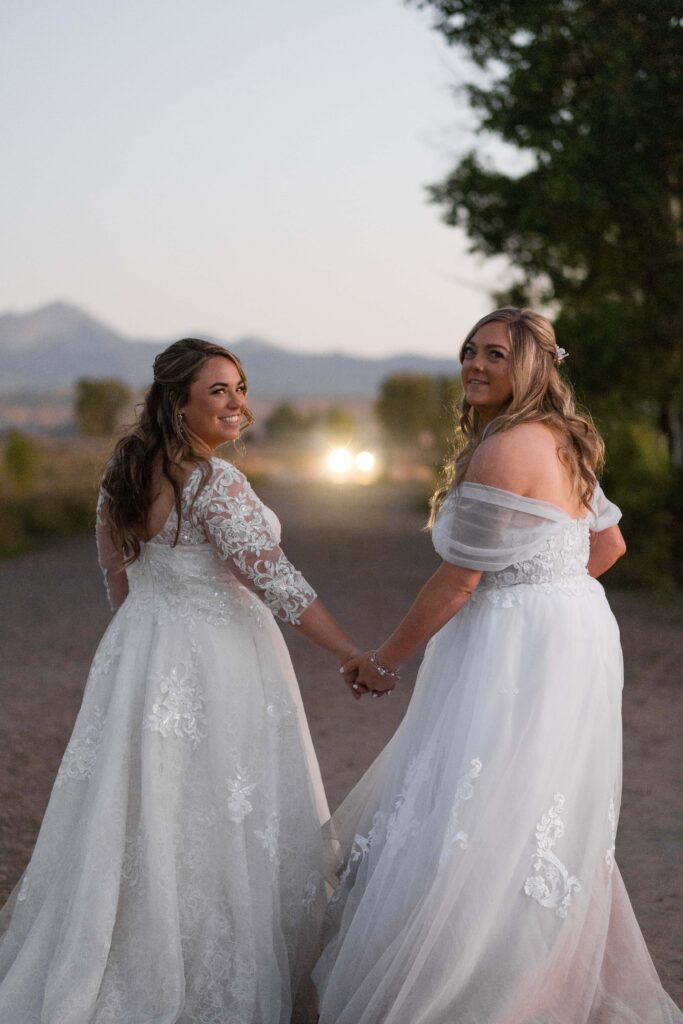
x: 362, y: 676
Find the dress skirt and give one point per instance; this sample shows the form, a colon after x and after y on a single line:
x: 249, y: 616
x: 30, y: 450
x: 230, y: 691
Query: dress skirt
x: 177, y: 876
x: 477, y: 881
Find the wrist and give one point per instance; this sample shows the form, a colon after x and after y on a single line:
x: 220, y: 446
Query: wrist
x: 385, y: 657
x: 381, y: 666
x: 349, y: 651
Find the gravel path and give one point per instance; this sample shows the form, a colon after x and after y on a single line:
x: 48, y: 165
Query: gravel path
x: 365, y: 554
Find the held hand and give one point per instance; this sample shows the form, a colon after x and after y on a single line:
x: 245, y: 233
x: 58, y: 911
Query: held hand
x: 350, y: 674
x: 365, y: 676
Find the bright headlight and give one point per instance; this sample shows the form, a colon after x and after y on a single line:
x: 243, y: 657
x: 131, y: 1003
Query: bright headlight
x: 339, y: 461
x: 365, y: 462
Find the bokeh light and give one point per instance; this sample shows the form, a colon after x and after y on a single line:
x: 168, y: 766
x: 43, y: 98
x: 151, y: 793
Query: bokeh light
x: 365, y: 462
x: 339, y: 462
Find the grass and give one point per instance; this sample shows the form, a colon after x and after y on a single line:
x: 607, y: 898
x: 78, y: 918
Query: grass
x: 59, y: 501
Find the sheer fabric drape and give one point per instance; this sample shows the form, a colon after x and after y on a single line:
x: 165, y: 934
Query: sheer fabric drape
x: 473, y: 864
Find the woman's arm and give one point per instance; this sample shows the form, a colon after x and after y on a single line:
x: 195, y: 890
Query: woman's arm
x: 319, y: 626
x: 442, y: 597
x: 235, y: 524
x: 607, y: 547
x: 110, y: 559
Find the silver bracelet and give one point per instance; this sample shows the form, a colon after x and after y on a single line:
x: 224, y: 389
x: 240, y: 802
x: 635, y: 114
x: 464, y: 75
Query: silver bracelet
x: 381, y: 669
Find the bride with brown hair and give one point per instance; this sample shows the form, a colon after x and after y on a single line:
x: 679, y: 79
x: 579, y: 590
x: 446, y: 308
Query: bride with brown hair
x: 477, y: 882
x: 177, y: 877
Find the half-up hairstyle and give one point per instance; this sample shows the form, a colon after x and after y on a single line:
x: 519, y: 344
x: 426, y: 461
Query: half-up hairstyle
x: 540, y: 394
x: 158, y: 442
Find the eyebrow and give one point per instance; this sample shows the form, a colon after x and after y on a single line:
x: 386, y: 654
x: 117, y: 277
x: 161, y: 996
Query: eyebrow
x: 492, y: 344
x: 223, y: 384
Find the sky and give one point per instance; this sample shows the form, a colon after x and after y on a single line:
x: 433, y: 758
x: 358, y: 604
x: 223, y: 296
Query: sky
x: 239, y: 168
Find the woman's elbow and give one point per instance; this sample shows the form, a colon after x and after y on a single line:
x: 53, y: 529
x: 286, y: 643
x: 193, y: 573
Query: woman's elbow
x: 619, y: 546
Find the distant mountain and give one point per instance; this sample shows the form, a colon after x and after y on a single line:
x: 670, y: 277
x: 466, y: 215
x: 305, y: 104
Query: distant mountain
x: 53, y: 346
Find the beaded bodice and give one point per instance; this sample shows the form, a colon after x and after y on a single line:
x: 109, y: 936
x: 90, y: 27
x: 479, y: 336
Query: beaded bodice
x: 562, y: 560
x: 227, y: 551
x: 517, y: 541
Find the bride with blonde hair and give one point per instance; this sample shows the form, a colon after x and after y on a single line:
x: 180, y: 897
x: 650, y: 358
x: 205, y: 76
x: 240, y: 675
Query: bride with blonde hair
x: 474, y: 870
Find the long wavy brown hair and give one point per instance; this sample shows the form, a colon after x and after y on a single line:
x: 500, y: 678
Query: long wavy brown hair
x: 540, y: 394
x: 158, y: 443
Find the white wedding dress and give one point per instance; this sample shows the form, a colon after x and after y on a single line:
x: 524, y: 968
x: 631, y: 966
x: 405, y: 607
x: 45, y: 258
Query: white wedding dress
x: 477, y: 882
x: 177, y: 877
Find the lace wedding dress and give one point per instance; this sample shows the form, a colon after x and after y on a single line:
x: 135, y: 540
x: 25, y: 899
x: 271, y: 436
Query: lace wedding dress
x: 478, y: 883
x: 177, y: 875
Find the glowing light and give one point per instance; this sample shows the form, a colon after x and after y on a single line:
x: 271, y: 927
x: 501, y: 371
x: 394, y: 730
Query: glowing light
x: 365, y: 462
x: 339, y: 461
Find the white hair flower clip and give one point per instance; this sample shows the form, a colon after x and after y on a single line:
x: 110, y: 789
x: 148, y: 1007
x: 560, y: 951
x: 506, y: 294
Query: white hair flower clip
x: 560, y: 354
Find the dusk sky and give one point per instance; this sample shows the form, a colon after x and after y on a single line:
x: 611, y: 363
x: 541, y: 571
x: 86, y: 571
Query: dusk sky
x: 237, y: 168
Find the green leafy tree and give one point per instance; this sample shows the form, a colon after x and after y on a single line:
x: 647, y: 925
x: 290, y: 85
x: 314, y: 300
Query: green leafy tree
x: 285, y: 423
x: 591, y: 91
x: 22, y: 461
x: 99, y: 405
x: 339, y: 425
x: 411, y: 403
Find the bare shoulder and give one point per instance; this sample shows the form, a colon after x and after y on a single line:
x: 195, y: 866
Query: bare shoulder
x: 512, y: 459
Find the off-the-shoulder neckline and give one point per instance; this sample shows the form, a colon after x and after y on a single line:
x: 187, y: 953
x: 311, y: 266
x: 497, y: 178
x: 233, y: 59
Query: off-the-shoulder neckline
x: 519, y: 501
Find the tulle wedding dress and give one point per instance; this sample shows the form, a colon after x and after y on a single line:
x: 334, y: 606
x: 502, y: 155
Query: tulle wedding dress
x: 177, y: 877
x: 478, y: 883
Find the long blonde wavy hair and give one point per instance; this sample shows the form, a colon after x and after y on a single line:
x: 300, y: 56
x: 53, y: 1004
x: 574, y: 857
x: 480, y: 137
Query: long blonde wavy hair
x: 540, y: 394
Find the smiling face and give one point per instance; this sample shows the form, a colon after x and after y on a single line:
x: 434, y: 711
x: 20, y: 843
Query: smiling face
x: 215, y: 407
x: 486, y: 375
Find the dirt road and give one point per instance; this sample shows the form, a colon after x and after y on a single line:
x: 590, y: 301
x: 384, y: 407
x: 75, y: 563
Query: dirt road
x: 364, y: 553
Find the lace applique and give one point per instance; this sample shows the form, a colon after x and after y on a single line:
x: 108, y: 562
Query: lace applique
x: 224, y: 984
x: 391, y: 829
x: 179, y: 709
x: 131, y: 865
x: 402, y: 821
x: 552, y: 886
x: 280, y: 710
x: 464, y: 791
x: 80, y: 756
x: 240, y: 788
x: 236, y: 523
x: 188, y: 581
x: 560, y: 567
x: 108, y: 652
x: 191, y: 843
x: 186, y: 584
x: 270, y: 835
x: 313, y: 891
x: 612, y: 819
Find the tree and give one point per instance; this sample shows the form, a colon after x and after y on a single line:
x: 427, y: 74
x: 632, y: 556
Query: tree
x: 411, y: 403
x: 339, y: 425
x: 592, y: 92
x: 286, y: 424
x: 22, y: 460
x: 99, y: 404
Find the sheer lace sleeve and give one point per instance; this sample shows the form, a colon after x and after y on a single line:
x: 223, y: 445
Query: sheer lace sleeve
x: 110, y: 559
x: 482, y: 527
x: 235, y: 523
x: 605, y: 513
